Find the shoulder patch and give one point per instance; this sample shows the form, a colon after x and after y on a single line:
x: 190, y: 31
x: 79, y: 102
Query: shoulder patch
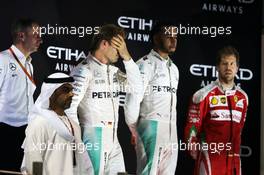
x: 141, y: 67
x: 202, y: 93
x: 80, y: 73
x: 244, y: 93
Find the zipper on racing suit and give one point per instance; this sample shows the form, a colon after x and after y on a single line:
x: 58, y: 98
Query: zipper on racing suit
x: 231, y: 136
x: 111, y: 93
x: 168, y: 66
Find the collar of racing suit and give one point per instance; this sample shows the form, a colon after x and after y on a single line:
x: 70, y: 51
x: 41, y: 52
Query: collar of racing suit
x: 222, y: 89
x: 93, y: 58
x: 157, y: 55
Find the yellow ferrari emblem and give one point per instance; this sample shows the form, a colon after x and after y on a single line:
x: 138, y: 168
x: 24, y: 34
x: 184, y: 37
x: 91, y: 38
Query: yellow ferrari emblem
x: 235, y: 98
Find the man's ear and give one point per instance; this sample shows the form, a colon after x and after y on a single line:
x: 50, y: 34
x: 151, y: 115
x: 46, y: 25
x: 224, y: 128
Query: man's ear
x: 21, y: 36
x: 237, y: 69
x: 107, y: 43
x: 104, y: 44
x: 156, y: 39
x: 217, y: 67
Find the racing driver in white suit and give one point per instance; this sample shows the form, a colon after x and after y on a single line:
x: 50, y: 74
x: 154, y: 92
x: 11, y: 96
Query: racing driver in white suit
x: 155, y: 134
x: 96, y: 89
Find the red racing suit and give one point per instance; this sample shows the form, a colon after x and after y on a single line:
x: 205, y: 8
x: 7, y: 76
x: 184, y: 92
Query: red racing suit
x: 213, y: 130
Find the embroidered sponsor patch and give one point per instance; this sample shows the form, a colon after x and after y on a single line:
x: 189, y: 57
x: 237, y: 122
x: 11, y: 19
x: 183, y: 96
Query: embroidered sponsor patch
x: 235, y: 98
x: 140, y: 67
x: 193, y: 119
x: 214, y: 101
x: 230, y: 92
x: 240, y: 103
x: 97, y: 74
x: 224, y: 115
x: 223, y: 100
x: 218, y: 100
x: 12, y: 66
x: 100, y: 81
x: 194, y: 114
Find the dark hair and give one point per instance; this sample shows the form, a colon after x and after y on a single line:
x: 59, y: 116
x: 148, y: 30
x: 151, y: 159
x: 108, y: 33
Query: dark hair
x: 158, y: 28
x: 227, y: 51
x: 21, y: 25
x: 106, y: 32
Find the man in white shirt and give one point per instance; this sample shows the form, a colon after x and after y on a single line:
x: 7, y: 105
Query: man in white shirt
x: 16, y: 88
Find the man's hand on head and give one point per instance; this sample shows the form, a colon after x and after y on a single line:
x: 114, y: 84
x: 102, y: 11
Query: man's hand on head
x: 120, y: 44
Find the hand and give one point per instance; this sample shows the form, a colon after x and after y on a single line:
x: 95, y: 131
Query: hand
x: 133, y: 131
x: 133, y: 140
x: 194, y: 148
x: 120, y: 44
x: 194, y: 154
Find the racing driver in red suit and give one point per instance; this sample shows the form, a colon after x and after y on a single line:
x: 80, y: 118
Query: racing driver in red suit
x: 215, y: 120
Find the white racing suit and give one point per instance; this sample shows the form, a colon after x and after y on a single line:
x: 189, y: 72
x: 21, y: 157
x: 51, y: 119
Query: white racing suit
x: 156, y: 143
x: 96, y: 94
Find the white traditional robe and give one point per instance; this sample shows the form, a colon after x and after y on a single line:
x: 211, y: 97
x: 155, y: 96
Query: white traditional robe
x: 50, y: 141
x: 54, y: 147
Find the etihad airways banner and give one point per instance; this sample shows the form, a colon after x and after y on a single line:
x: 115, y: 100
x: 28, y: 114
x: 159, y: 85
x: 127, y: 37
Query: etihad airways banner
x: 203, y: 27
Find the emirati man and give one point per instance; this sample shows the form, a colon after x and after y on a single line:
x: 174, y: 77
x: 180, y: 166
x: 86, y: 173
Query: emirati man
x: 53, y: 139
